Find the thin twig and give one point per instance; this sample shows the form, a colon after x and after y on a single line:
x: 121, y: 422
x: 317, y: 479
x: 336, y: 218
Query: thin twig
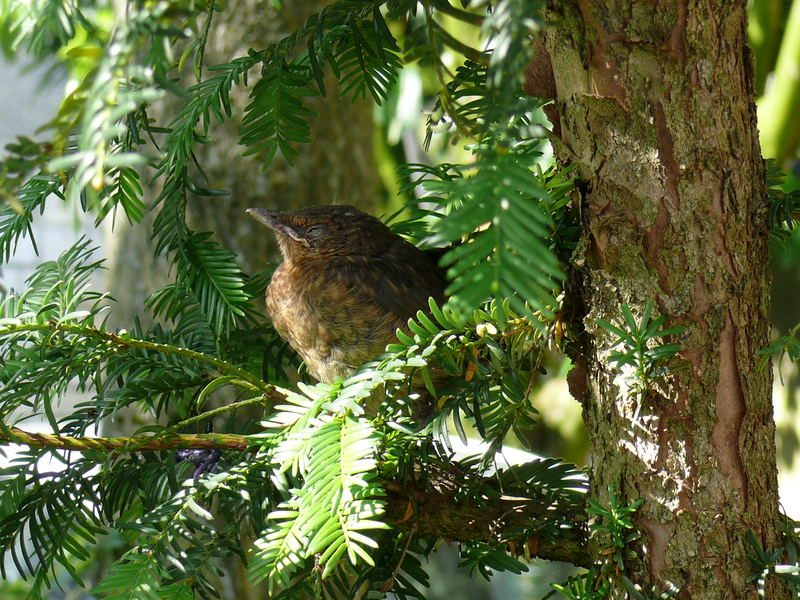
x: 129, y: 342
x: 221, y: 441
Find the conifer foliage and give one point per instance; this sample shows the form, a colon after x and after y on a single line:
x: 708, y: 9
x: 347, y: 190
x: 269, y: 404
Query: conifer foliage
x: 307, y: 498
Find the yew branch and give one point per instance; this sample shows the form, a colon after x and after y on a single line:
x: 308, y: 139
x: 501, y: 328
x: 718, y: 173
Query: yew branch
x: 430, y: 509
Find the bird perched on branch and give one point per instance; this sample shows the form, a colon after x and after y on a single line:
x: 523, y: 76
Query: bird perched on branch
x: 347, y: 282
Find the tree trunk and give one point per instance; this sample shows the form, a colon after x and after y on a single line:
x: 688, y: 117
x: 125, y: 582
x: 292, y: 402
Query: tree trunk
x: 656, y: 107
x: 337, y: 168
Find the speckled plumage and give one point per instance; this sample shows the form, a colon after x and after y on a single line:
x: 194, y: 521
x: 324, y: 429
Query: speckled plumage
x: 346, y: 284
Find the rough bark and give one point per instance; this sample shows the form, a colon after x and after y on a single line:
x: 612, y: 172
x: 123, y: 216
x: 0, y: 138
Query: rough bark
x: 656, y: 108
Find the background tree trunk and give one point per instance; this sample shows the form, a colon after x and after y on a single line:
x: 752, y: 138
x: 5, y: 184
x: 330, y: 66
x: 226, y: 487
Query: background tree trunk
x: 336, y: 168
x: 656, y: 103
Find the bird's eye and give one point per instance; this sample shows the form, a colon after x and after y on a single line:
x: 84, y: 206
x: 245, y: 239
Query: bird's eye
x: 314, y: 231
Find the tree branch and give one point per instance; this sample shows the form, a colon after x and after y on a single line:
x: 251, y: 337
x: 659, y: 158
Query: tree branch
x: 430, y: 508
x: 432, y: 512
x: 125, y: 341
x: 221, y: 441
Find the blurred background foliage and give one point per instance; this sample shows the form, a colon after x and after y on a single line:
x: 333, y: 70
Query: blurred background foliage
x: 400, y: 138
x: 774, y: 31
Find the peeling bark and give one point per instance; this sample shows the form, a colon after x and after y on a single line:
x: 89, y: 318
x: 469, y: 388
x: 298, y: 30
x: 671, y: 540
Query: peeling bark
x: 656, y: 104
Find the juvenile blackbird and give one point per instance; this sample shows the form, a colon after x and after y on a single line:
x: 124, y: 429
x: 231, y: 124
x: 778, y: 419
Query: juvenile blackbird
x: 347, y: 282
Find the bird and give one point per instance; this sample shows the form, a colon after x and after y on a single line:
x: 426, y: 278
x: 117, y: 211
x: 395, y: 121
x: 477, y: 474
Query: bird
x: 346, y: 284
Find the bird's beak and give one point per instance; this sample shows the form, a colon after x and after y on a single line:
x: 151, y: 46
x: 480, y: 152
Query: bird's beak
x: 267, y: 217
x: 273, y: 220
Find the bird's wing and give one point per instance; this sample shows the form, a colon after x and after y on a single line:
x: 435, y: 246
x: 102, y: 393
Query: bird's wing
x: 397, y: 287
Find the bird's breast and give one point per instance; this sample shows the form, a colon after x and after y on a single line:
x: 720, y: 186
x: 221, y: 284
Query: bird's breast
x: 339, y: 313
x: 320, y: 320
x: 292, y: 315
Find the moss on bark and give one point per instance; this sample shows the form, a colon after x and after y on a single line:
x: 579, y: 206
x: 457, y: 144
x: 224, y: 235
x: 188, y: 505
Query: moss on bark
x: 656, y: 104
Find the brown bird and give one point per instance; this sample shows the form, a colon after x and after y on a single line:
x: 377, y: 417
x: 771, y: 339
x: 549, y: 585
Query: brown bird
x: 347, y: 282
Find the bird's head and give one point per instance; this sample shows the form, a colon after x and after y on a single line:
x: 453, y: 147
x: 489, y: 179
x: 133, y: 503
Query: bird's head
x: 323, y: 231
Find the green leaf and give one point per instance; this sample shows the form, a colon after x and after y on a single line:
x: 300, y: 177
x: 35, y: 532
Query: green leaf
x: 276, y: 118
